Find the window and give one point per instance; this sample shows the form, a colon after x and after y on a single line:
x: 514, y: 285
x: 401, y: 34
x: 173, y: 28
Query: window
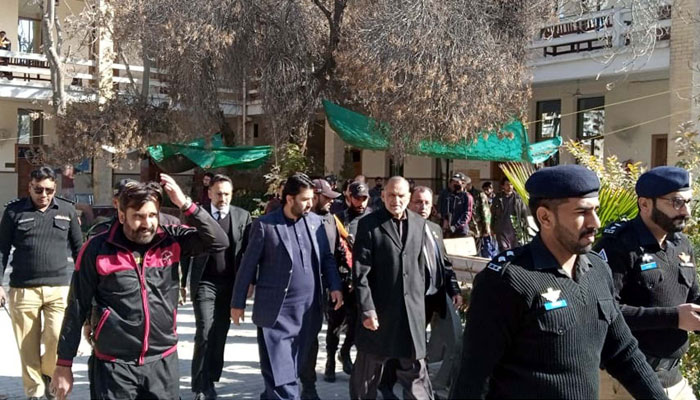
x: 30, y: 127
x: 29, y: 35
x: 548, y: 119
x: 590, y: 123
x: 548, y: 124
x: 659, y: 150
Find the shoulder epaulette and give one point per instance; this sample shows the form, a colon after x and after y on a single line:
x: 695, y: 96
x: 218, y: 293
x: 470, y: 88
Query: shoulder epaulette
x: 599, y: 254
x: 615, y: 228
x: 500, y: 262
x: 65, y: 199
x: 17, y: 200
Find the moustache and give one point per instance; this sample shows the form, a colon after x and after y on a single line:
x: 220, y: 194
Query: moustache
x: 146, y: 230
x: 588, y: 232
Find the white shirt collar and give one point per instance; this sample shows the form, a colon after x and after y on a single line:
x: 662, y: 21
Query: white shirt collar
x: 215, y: 211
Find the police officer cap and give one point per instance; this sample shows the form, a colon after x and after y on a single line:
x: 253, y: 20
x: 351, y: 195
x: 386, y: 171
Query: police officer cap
x: 660, y: 181
x: 563, y: 181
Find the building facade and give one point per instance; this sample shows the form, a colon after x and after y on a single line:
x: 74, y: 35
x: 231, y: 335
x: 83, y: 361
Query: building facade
x: 633, y: 114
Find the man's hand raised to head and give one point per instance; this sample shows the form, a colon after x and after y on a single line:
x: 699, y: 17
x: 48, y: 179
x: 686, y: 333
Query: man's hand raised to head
x: 173, y: 190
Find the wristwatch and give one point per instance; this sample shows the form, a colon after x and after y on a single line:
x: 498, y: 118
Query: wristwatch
x: 188, y: 204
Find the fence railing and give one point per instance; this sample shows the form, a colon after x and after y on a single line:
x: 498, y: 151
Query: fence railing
x: 595, y: 31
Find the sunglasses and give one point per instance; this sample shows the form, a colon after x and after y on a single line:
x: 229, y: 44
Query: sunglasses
x: 677, y: 203
x: 40, y: 190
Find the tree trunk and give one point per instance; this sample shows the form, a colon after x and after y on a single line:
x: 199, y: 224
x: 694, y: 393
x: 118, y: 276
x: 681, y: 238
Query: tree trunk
x: 53, y: 38
x: 146, y: 82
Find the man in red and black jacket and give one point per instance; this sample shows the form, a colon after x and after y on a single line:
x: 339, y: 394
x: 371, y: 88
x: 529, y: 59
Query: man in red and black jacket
x: 127, y: 280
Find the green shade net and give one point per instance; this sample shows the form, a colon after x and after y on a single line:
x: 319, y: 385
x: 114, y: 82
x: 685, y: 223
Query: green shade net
x: 362, y: 132
x: 179, y: 157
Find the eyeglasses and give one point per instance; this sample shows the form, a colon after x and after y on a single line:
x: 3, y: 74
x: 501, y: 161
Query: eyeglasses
x: 40, y: 190
x: 677, y: 203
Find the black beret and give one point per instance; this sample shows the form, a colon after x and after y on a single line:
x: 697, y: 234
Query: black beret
x: 660, y: 181
x: 563, y: 181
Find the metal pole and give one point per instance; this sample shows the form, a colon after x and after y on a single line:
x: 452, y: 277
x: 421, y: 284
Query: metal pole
x: 244, y: 111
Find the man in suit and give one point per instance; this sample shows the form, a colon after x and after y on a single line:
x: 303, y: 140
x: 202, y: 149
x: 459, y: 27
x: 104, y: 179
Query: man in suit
x: 323, y: 198
x: 390, y: 283
x: 443, y: 280
x: 211, y: 288
x: 443, y: 295
x: 441, y: 286
x: 289, y: 259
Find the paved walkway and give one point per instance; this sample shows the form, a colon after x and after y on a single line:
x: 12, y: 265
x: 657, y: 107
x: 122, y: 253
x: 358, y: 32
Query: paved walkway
x: 241, y: 378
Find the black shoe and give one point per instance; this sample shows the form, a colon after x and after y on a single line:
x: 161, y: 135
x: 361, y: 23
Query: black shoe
x: 329, y: 373
x: 309, y: 394
x: 345, y: 360
x: 47, y: 387
x: 210, y: 393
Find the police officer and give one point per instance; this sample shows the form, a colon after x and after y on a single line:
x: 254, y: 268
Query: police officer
x: 542, y: 318
x: 45, y: 232
x: 653, y: 270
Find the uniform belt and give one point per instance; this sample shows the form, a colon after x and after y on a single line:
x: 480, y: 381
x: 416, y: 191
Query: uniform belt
x: 663, y: 364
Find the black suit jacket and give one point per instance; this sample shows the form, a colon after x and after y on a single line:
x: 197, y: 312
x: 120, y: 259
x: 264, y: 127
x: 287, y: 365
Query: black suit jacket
x: 447, y: 283
x: 240, y: 223
x: 390, y: 280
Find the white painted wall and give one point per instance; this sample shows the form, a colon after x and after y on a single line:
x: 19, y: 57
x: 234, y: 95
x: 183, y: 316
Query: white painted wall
x: 632, y: 144
x: 374, y: 163
x: 419, y: 167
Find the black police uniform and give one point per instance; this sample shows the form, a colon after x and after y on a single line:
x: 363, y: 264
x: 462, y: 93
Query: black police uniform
x: 650, y: 281
x: 46, y: 243
x: 534, y: 332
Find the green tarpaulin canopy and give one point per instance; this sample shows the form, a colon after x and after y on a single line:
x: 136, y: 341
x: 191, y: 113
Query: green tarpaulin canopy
x: 361, y: 131
x: 179, y: 157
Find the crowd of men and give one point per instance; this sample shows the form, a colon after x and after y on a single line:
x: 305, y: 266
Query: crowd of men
x: 545, y: 317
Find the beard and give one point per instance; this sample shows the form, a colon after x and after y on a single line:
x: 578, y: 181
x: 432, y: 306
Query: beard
x: 668, y: 224
x: 322, y: 210
x: 358, y: 209
x: 575, y: 243
x: 299, y: 211
x: 141, y: 235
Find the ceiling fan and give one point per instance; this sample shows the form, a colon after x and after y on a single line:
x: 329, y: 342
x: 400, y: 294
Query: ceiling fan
x: 576, y: 94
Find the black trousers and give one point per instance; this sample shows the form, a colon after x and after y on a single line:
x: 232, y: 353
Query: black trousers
x: 346, y: 313
x: 212, y: 310
x: 368, y: 370
x: 307, y: 375
x: 156, y: 380
x: 432, y: 305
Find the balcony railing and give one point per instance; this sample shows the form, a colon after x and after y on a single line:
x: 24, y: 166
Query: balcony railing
x: 31, y: 72
x: 595, y: 31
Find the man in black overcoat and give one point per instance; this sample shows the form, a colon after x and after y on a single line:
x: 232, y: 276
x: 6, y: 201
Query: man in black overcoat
x: 390, y: 283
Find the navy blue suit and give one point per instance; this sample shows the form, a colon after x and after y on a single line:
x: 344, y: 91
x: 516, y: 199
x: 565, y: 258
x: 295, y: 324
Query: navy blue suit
x: 267, y: 263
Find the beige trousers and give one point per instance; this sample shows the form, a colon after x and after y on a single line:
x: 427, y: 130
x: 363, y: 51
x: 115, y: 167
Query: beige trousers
x: 37, y: 315
x: 611, y: 389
